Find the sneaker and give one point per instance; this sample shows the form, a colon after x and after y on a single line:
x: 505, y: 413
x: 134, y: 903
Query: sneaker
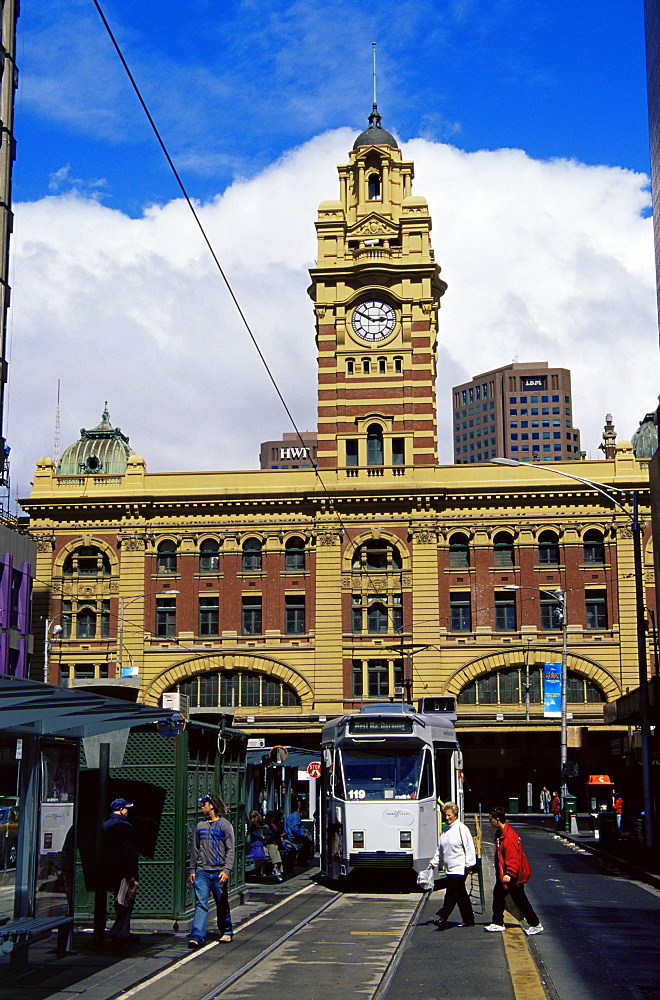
x: 440, y: 924
x: 494, y: 927
x: 534, y: 930
x: 471, y: 924
x: 226, y: 937
x: 194, y: 943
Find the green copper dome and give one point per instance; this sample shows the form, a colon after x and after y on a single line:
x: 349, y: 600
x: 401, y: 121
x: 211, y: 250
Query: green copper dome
x: 102, y: 451
x: 645, y: 438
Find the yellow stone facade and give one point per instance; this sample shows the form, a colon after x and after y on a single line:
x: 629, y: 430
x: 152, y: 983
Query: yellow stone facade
x: 295, y: 596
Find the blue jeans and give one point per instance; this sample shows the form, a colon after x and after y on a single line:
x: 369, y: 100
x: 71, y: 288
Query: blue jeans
x: 206, y: 883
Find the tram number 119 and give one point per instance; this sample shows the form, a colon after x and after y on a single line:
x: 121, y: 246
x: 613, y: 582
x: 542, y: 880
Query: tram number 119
x: 357, y: 793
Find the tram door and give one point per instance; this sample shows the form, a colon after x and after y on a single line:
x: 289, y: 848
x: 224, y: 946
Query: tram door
x: 457, y: 775
x: 444, y: 777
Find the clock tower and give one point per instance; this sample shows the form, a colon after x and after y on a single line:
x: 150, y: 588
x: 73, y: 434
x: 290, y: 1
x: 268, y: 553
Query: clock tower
x: 376, y: 290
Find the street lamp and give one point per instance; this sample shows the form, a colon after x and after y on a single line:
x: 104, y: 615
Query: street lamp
x: 122, y: 607
x: 56, y: 631
x: 559, y: 595
x: 636, y: 531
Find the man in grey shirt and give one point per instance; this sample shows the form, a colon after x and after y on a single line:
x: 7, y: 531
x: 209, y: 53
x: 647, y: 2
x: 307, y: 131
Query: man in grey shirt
x: 211, y: 862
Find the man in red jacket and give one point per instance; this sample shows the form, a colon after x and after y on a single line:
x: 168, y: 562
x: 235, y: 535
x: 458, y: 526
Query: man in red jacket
x: 512, y: 870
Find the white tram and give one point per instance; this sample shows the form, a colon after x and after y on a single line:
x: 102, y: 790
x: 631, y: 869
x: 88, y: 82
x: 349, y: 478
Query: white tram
x: 386, y: 770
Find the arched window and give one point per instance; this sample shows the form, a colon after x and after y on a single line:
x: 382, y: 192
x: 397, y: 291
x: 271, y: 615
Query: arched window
x: 166, y: 557
x: 86, y: 624
x: 350, y: 366
x: 503, y: 550
x: 382, y: 365
x: 252, y: 555
x: 507, y: 687
x: 87, y: 561
x: 294, y: 555
x: 209, y: 557
x: 377, y: 555
x: 374, y: 444
x: 594, y: 548
x: 377, y: 619
x: 237, y: 689
x: 459, y: 551
x: 548, y: 549
x: 374, y: 187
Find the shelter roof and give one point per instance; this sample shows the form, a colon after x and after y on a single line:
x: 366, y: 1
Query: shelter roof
x: 33, y: 708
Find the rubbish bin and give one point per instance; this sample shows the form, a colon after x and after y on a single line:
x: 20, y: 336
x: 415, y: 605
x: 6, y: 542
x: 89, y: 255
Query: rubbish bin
x: 513, y: 805
x: 570, y: 814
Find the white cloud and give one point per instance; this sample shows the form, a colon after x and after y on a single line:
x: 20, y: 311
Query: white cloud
x: 545, y: 261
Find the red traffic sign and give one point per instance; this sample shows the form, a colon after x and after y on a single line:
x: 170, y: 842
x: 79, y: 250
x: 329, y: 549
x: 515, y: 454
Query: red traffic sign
x: 314, y: 769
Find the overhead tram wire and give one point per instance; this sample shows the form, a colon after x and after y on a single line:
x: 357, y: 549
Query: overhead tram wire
x: 196, y: 217
x: 214, y: 256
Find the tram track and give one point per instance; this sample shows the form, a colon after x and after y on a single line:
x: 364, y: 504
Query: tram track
x: 325, y: 943
x: 268, y: 951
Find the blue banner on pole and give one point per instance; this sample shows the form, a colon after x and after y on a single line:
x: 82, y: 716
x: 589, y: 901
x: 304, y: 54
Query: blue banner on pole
x: 552, y: 690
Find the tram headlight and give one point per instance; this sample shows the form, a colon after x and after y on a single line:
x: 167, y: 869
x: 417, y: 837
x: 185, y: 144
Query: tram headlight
x: 358, y: 838
x: 405, y: 838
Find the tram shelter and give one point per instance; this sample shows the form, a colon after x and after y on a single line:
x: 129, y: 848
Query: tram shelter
x: 41, y: 729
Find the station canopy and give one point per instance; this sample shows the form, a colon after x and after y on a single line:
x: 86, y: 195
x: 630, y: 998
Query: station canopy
x: 296, y: 757
x: 32, y: 708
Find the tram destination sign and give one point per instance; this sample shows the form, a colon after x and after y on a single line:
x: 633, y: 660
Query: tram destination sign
x: 381, y: 726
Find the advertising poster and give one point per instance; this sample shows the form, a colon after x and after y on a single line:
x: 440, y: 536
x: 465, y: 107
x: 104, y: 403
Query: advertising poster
x: 552, y: 690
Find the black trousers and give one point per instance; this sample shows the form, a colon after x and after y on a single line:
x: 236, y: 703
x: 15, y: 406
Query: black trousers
x: 517, y: 894
x: 455, y: 893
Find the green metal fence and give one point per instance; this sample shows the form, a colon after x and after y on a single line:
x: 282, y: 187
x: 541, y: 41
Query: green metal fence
x: 165, y: 778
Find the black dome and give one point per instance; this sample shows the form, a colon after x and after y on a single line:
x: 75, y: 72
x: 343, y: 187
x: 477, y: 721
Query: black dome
x: 375, y: 135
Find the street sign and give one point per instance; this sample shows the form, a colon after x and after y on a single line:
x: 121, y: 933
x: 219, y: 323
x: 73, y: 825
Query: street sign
x: 314, y: 769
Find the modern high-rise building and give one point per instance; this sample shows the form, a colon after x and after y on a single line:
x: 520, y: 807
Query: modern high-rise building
x: 522, y: 411
x: 292, y: 451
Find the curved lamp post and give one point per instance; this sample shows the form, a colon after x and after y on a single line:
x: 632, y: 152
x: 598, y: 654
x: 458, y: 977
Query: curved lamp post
x: 636, y: 531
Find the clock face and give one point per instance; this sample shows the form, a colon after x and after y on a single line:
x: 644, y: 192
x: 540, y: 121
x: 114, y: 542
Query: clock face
x: 373, y: 320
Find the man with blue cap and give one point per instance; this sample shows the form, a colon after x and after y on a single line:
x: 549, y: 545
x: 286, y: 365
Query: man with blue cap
x: 120, y: 860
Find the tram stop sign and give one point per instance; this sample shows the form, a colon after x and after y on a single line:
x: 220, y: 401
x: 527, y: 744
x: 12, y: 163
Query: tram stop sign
x: 314, y: 769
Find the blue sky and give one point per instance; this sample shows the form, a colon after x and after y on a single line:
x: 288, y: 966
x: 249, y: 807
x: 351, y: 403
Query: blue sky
x: 232, y: 86
x: 527, y: 123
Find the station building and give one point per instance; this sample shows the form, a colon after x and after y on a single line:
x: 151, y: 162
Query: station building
x: 286, y: 597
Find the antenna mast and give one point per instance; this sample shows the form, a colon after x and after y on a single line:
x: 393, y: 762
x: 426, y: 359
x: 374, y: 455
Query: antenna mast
x: 56, y: 437
x: 373, y: 51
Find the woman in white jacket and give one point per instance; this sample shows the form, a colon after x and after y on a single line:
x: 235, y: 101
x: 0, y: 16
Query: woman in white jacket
x: 456, y: 851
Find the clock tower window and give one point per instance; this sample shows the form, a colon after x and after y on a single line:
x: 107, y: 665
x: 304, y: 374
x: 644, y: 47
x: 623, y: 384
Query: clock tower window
x: 374, y: 445
x: 382, y: 365
x: 374, y: 187
x: 366, y: 367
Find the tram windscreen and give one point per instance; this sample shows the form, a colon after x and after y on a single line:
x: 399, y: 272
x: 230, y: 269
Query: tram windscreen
x: 370, y: 774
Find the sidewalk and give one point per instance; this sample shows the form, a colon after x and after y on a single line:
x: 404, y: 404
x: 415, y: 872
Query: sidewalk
x: 92, y: 973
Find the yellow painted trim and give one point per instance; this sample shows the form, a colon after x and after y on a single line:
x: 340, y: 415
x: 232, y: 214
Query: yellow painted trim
x: 525, y: 978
